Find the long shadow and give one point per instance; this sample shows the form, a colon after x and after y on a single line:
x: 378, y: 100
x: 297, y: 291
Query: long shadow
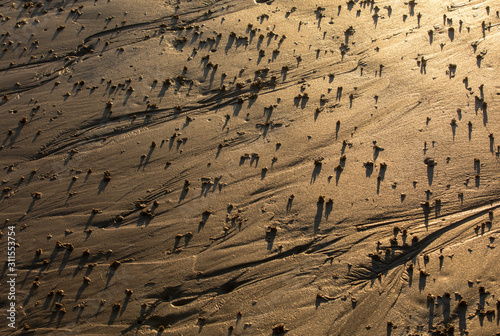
x: 446, y: 303
x: 206, y: 70
x: 128, y: 93
x: 144, y: 219
x: 289, y: 203
x: 48, y: 301
x: 376, y: 152
x: 113, y: 316
x: 37, y: 134
x: 56, y: 33
x: 263, y: 173
x: 80, y: 290
x: 430, y: 305
x: 303, y: 102
x: 28, y: 297
x: 216, y: 183
x: 284, y: 72
x: 54, y: 253
x: 389, y: 329
x: 318, y: 216
x: 7, y: 136
x: 478, y: 103
x: 83, y: 260
x: 482, y: 298
x: 166, y: 84
x: 126, y: 300
x: 275, y: 55
x: 268, y: 112
x: 241, y: 42
x: 71, y: 183
x: 452, y: 69
x: 254, y: 159
x: 296, y: 101
x: 89, y: 270
x: 109, y: 276
x: 315, y: 173
x: 229, y: 44
x: 205, y: 188
x: 426, y: 210
x: 148, y: 157
x: 462, y: 318
x: 64, y: 261
x: 89, y: 221
x: 339, y: 93
x: 368, y: 169
x: 53, y: 316
x: 381, y: 68
x: 411, y: 7
x: 422, y: 282
x: 32, y: 204
x: 259, y: 59
x: 217, y: 41
x: 382, y: 171
x: 171, y: 142
x: 212, y: 76
x: 177, y: 241
x: 328, y: 209
x: 423, y: 66
x: 481, y: 91
x: 153, y: 86
x: 410, y: 277
x: 237, y: 109
x: 451, y: 33
x: 79, y: 314
x: 430, y: 173
x: 316, y: 114
x: 16, y: 134
x: 338, y: 172
x: 437, y: 208
x: 453, y: 130
x: 204, y: 218
x: 60, y: 316
x: 187, y: 239
x: 270, y: 236
x: 102, y: 186
x: 347, y: 35
x: 479, y: 59
x: 484, y: 107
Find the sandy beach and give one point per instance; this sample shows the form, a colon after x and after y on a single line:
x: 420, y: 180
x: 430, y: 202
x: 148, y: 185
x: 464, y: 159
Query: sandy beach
x: 249, y: 167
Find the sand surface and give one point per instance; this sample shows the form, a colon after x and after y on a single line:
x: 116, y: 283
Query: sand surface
x: 248, y: 168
